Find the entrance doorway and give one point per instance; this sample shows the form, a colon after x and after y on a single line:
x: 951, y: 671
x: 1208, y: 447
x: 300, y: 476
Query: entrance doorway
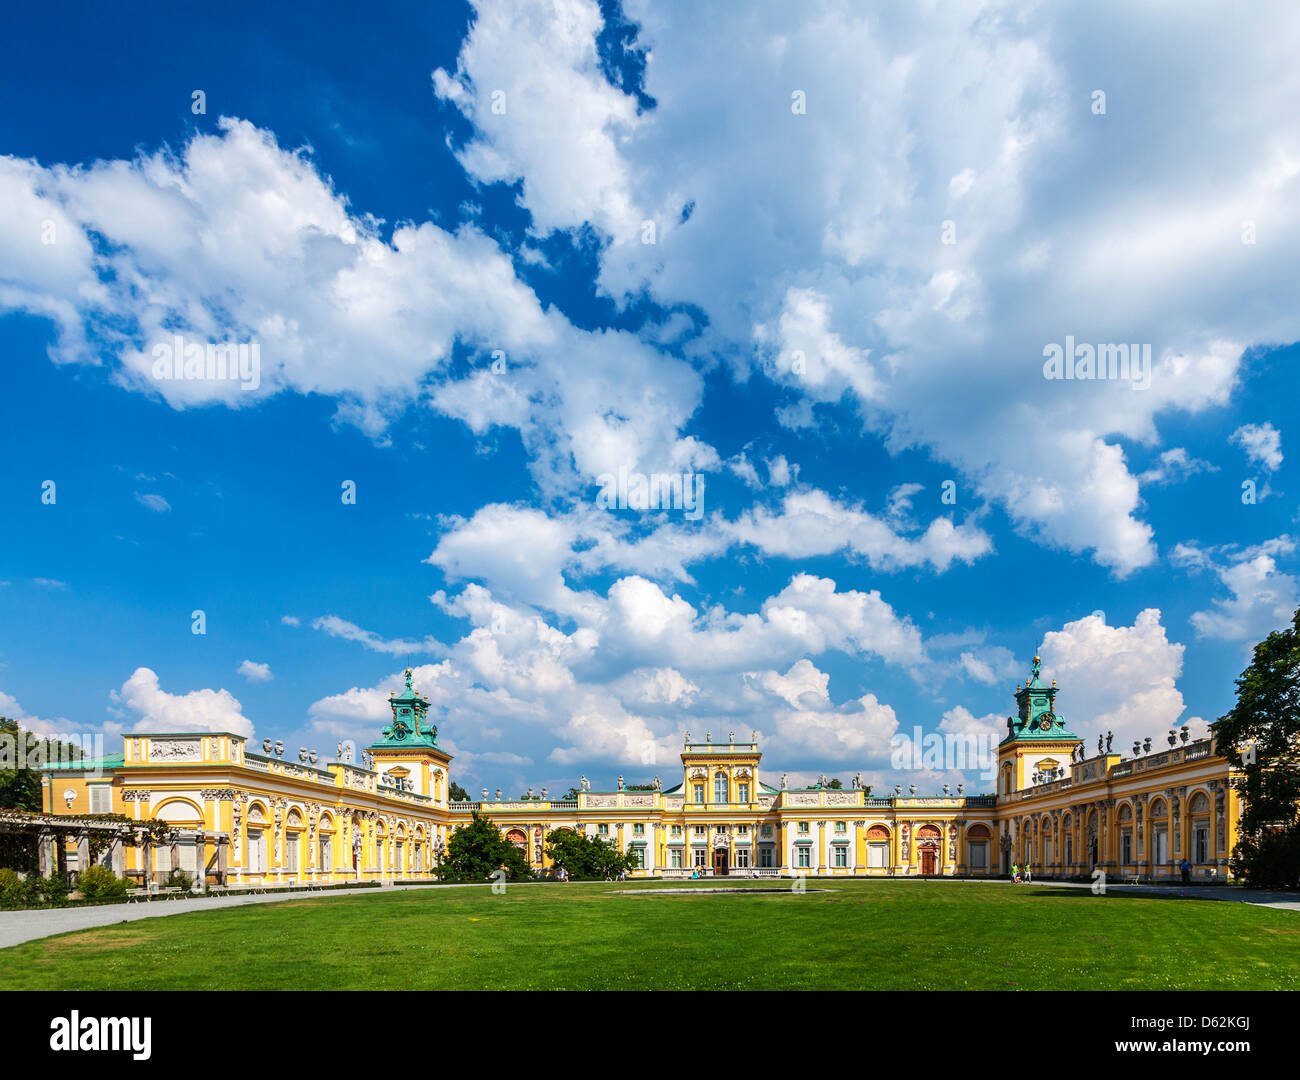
x: 720, y: 861
x: 927, y: 861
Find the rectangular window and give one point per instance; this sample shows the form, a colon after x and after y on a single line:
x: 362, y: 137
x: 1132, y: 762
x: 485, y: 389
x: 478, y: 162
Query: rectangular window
x: 719, y: 788
x: 675, y: 859
x: 101, y: 798
x: 603, y: 830
x: 638, y: 830
x: 742, y: 793
x: 698, y: 789
x: 841, y: 855
x: 805, y: 858
x: 638, y: 857
x: 765, y: 857
x: 700, y: 830
x: 742, y: 830
x: 803, y: 828
x: 767, y: 830
x: 742, y: 858
x: 877, y: 856
x: 698, y: 858
x: 840, y: 827
x: 677, y: 830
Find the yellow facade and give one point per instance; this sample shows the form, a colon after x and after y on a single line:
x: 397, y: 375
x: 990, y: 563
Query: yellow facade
x: 256, y: 819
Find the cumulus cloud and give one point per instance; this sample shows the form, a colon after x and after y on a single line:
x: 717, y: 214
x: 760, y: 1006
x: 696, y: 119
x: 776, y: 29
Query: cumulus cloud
x: 1262, y: 443
x: 236, y: 239
x: 1121, y: 679
x: 10, y: 709
x: 198, y: 710
x: 1263, y: 597
x: 938, y: 345
x: 255, y: 672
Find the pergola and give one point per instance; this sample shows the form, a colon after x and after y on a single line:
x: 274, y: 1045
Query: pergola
x: 54, y: 832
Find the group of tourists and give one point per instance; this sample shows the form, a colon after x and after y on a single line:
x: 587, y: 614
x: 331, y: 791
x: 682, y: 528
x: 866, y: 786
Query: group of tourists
x: 1021, y: 875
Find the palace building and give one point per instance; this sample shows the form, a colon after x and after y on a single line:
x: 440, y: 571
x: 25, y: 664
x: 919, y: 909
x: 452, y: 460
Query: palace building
x: 248, y: 818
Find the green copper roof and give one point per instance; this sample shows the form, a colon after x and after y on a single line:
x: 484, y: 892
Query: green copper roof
x: 109, y: 761
x: 410, y: 728
x: 1037, y: 719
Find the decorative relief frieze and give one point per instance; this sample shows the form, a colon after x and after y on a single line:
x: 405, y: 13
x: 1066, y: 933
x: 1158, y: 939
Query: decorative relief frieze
x: 175, y: 749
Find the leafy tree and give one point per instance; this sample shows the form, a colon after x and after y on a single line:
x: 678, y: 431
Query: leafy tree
x: 570, y: 796
x: 586, y: 858
x: 1261, y: 737
x: 640, y: 787
x: 456, y: 793
x: 835, y: 783
x: 477, y: 850
x: 20, y: 783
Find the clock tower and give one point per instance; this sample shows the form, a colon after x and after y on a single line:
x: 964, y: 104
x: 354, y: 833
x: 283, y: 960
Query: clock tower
x: 1037, y: 740
x: 407, y: 756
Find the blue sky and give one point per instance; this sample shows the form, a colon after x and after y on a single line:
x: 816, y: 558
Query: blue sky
x: 384, y: 200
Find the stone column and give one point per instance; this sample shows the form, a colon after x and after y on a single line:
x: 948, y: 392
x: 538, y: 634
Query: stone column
x: 201, y: 861
x: 222, y: 848
x: 45, y: 851
x: 83, y: 852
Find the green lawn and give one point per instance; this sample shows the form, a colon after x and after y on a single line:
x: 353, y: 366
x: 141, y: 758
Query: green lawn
x: 878, y: 934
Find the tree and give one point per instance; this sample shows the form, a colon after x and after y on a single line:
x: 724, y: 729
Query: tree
x: 20, y: 783
x: 478, y: 850
x: 1261, y: 737
x: 835, y: 783
x: 456, y: 793
x: 640, y: 787
x: 571, y: 795
x: 586, y: 857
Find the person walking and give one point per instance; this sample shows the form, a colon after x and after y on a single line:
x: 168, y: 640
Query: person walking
x: 1186, y: 867
x: 1028, y: 875
x: 1015, y: 873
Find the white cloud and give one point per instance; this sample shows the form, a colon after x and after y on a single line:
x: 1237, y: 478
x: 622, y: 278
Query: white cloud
x: 156, y: 503
x: 1263, y: 598
x: 160, y: 711
x: 1121, y: 679
x: 939, y: 345
x: 348, y: 631
x: 11, y: 710
x: 810, y: 522
x: 255, y: 672
x: 1262, y: 443
x: 1175, y: 466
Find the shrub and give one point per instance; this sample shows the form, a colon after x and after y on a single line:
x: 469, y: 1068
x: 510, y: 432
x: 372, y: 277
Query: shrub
x: 14, y: 890
x: 54, y: 888
x: 178, y: 879
x: 100, y: 883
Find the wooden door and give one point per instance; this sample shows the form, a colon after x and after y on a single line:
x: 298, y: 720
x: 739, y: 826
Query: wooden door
x: 720, y: 861
x: 927, y: 862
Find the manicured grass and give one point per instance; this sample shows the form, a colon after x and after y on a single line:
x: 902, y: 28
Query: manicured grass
x: 872, y: 935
